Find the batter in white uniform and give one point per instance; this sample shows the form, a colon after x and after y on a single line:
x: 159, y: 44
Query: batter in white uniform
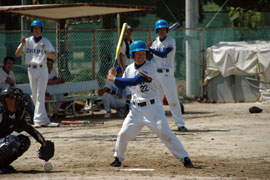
x: 163, y: 49
x: 146, y: 106
x: 36, y: 49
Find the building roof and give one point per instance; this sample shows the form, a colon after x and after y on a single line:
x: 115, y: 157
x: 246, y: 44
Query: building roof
x: 71, y: 11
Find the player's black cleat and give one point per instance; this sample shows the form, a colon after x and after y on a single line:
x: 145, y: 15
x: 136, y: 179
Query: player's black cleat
x: 115, y: 163
x: 182, y: 129
x: 187, y: 163
x: 7, y: 170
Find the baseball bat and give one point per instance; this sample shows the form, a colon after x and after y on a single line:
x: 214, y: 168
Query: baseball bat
x: 120, y: 42
x: 81, y: 122
x: 172, y: 27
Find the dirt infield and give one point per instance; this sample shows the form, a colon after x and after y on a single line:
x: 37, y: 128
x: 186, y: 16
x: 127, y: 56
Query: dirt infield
x: 225, y: 141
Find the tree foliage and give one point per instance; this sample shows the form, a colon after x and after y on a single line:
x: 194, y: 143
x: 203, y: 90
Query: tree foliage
x: 251, y: 19
x: 258, y: 5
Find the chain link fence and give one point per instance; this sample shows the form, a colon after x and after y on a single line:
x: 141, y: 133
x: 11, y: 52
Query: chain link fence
x: 86, y: 55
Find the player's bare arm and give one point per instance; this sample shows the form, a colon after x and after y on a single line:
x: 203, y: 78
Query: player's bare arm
x: 149, y: 44
x: 10, y: 81
x: 111, y: 75
x: 19, y: 50
x: 51, y: 55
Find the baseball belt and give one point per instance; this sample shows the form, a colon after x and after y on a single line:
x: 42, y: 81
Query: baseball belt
x: 142, y: 104
x: 159, y: 70
x: 34, y: 66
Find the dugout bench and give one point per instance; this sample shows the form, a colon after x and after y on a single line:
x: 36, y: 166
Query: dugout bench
x: 67, y: 88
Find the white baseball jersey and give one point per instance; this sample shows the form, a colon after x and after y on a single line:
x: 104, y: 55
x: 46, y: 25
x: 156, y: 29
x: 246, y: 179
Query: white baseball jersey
x: 128, y: 61
x: 166, y: 62
x: 147, y: 90
x: 52, y: 75
x: 3, y: 78
x: 33, y: 51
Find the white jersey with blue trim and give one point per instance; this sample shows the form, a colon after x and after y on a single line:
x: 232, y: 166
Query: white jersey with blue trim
x: 147, y: 90
x: 166, y: 62
x: 33, y: 51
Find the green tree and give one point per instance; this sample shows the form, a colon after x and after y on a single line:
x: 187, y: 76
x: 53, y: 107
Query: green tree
x: 258, y: 5
x: 251, y: 19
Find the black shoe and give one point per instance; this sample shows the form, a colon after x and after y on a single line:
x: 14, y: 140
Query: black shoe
x: 182, y: 129
x: 188, y: 163
x: 8, y: 169
x: 115, y: 163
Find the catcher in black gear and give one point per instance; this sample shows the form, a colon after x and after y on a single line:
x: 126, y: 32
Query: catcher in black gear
x: 12, y: 109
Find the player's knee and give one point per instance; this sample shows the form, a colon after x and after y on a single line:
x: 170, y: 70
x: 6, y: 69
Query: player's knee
x: 124, y: 136
x: 8, y: 149
x: 10, y: 143
x: 24, y: 143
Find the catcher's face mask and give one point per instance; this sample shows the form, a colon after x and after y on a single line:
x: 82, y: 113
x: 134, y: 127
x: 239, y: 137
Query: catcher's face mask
x: 11, y: 93
x: 10, y: 96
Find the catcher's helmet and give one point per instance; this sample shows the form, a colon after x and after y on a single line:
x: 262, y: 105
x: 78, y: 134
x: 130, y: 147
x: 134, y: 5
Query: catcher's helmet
x: 37, y: 23
x: 161, y: 24
x: 13, y: 93
x: 137, y: 46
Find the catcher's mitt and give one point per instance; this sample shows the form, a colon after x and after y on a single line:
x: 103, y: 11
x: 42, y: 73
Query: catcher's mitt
x: 46, y: 152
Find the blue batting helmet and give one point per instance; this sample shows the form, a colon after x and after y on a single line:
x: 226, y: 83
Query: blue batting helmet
x: 37, y: 23
x: 161, y: 24
x: 137, y: 46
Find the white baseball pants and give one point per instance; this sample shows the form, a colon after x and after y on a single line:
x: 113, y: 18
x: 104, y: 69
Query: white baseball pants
x: 168, y: 88
x: 154, y: 118
x: 38, y: 79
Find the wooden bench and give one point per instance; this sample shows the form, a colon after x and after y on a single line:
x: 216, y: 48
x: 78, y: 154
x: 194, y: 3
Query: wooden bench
x: 68, y: 87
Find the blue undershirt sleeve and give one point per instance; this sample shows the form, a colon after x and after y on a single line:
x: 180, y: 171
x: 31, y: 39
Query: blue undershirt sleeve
x: 161, y: 53
x: 121, y: 83
x: 149, y: 55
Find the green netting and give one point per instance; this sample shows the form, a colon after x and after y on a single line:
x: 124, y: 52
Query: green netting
x: 82, y: 52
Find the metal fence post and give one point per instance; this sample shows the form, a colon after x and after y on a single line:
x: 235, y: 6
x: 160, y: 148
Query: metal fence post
x: 93, y: 53
x: 58, y: 46
x: 202, y: 62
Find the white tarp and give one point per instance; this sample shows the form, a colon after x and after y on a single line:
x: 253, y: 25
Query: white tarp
x: 239, y: 58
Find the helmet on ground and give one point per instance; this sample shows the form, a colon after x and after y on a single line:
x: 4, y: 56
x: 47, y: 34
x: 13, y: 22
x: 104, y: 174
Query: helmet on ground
x: 137, y: 46
x: 161, y: 24
x: 37, y: 23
